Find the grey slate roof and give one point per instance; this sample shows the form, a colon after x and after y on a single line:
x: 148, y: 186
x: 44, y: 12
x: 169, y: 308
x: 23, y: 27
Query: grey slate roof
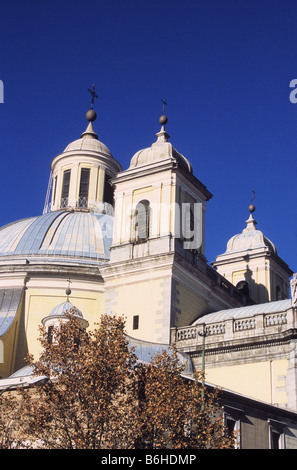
x: 245, y: 312
x: 59, y: 233
x: 9, y: 303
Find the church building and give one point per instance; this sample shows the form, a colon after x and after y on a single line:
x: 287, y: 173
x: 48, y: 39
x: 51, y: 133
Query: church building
x: 131, y: 242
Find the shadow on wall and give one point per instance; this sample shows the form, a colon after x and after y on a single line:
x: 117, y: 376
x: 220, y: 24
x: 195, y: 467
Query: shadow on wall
x: 257, y: 292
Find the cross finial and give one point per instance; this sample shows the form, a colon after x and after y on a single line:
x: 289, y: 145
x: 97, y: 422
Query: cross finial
x: 164, y: 105
x: 93, y: 95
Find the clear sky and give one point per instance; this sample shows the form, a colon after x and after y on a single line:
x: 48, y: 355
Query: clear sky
x: 223, y: 66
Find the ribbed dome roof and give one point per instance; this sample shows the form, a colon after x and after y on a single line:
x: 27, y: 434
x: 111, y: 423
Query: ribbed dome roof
x: 61, y: 311
x: 65, y: 307
x: 86, y: 143
x: 250, y: 238
x: 75, y: 236
x: 160, y: 150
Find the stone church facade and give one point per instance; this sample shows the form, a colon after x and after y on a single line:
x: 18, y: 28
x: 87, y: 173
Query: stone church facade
x: 131, y: 242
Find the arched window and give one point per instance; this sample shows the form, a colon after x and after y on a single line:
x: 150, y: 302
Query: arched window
x: 243, y: 286
x: 142, y: 221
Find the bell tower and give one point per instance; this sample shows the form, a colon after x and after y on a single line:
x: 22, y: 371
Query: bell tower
x: 157, y: 276
x: 252, y: 264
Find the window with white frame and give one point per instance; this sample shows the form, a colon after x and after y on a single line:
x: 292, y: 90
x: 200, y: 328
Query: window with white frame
x: 276, y: 434
x: 232, y: 421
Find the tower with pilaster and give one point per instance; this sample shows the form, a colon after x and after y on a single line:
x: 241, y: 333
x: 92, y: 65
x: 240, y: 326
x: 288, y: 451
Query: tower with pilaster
x: 251, y: 263
x: 158, y: 275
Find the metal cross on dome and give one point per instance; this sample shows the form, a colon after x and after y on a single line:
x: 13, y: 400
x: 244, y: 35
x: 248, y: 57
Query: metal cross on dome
x: 93, y: 95
x: 164, y: 105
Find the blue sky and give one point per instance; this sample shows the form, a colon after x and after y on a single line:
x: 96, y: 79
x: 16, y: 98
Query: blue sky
x: 223, y: 66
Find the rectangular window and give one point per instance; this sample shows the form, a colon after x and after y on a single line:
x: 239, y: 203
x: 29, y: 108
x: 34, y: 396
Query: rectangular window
x: 232, y: 422
x: 66, y: 184
x: 84, y: 187
x: 65, y: 189
x: 277, y: 438
x: 108, y: 191
x: 84, y: 182
x: 135, y: 322
x: 50, y: 334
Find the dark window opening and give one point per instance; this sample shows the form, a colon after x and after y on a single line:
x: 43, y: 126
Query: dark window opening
x: 230, y: 425
x: 243, y: 287
x: 188, y: 222
x: 50, y: 334
x: 278, y: 293
x: 142, y: 220
x: 275, y: 439
x: 108, y: 191
x: 65, y: 188
x: 84, y: 187
x: 55, y: 190
x: 135, y: 322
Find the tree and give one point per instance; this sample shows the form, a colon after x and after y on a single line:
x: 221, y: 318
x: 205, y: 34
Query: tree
x: 178, y: 412
x: 100, y: 396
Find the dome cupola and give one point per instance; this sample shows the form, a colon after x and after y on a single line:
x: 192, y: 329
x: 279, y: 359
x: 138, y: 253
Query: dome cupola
x: 81, y: 174
x: 161, y: 150
x: 60, y: 314
x: 252, y: 264
x: 250, y: 238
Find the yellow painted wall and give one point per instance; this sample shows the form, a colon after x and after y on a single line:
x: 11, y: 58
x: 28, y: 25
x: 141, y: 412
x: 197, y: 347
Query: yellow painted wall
x: 259, y: 380
x: 189, y: 303
x: 144, y: 298
x: 11, y: 347
x: 40, y: 302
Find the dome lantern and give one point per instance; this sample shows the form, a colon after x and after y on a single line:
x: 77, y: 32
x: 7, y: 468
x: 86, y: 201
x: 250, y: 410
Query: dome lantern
x: 81, y: 174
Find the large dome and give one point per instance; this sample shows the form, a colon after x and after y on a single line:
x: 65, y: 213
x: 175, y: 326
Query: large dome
x: 73, y: 236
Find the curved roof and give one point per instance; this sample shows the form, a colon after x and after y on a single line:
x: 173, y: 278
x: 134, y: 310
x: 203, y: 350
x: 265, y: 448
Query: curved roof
x: 245, y: 312
x: 65, y: 307
x: 10, y: 301
x: 250, y: 238
x: 87, y: 144
x: 145, y: 352
x: 160, y: 150
x: 59, y: 234
x: 25, y: 371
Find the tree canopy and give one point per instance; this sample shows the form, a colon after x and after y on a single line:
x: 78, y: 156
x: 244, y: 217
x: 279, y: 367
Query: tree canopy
x: 100, y: 396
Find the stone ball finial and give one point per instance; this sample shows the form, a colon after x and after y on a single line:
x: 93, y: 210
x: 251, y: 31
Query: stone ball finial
x: 91, y: 115
x: 252, y: 208
x: 68, y: 291
x: 163, y: 120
